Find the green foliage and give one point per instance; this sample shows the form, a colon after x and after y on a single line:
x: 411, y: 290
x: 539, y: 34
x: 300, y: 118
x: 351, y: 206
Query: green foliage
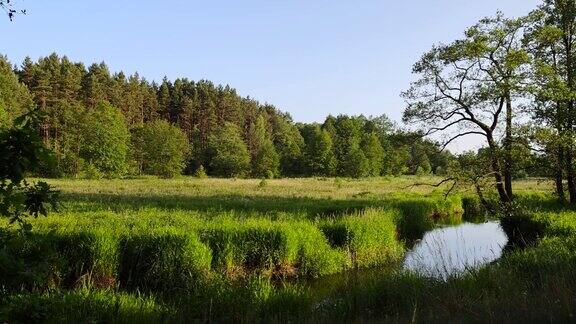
x: 319, y: 157
x: 355, y: 165
x: 200, y: 172
x: 22, y: 151
x: 229, y: 154
x: 374, y: 154
x: 474, y: 210
x: 258, y: 241
x: 105, y: 139
x: 267, y: 162
x: 263, y: 183
x: 15, y: 99
x: 58, y: 259
x: 160, y: 149
x: 70, y: 94
x: 4, y: 118
x: 419, y: 215
x: 290, y: 146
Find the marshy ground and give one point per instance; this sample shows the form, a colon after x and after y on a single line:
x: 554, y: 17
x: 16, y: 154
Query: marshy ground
x: 294, y: 249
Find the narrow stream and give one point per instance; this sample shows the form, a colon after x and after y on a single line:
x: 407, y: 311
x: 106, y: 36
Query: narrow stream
x: 441, y: 253
x: 453, y: 250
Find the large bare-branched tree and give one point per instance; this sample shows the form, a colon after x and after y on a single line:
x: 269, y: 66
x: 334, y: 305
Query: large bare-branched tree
x: 472, y: 87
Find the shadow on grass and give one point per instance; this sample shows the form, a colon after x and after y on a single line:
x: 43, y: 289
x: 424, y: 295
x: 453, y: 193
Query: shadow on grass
x: 310, y: 207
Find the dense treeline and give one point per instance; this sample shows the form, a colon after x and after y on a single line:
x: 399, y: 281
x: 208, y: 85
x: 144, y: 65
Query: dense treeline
x: 103, y: 124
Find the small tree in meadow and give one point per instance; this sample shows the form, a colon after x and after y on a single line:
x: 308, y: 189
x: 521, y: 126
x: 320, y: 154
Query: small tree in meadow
x: 105, y: 139
x: 319, y: 156
x: 200, y: 172
x: 374, y: 153
x: 267, y: 162
x: 229, y: 154
x: 356, y: 165
x: 160, y: 149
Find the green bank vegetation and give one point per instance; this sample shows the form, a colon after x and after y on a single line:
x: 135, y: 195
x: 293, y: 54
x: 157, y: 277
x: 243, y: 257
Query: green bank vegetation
x: 128, y: 249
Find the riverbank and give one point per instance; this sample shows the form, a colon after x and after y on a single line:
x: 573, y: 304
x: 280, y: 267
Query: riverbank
x: 231, y: 250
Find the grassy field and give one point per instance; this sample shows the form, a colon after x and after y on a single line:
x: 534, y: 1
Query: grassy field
x: 249, y: 250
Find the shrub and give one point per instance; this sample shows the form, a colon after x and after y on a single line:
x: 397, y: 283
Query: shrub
x: 474, y: 211
x: 55, y: 259
x: 160, y: 149
x: 27, y: 262
x: 255, y: 244
x: 200, y: 172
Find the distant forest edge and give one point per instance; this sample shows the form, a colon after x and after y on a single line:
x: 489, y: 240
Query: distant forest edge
x: 100, y: 124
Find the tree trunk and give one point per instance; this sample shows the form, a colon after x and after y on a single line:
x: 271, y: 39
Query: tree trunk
x: 497, y: 170
x: 559, y: 176
x: 569, y: 127
x: 507, y: 170
x: 571, y: 175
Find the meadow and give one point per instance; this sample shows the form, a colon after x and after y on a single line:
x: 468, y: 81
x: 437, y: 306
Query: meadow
x: 318, y: 249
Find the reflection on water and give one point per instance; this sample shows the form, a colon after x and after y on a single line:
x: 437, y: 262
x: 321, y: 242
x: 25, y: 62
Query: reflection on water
x: 452, y: 250
x: 441, y: 253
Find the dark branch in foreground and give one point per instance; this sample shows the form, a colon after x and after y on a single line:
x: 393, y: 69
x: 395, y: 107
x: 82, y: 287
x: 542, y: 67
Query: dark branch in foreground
x: 8, y: 7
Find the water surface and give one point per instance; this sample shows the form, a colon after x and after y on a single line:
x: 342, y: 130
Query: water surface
x: 453, y: 250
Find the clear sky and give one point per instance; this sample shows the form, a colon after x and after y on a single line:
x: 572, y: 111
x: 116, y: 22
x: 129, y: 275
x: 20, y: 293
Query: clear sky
x: 308, y: 57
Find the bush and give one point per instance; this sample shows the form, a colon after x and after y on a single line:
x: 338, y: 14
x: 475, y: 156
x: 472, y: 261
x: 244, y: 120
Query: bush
x: 160, y: 149
x: 200, y: 172
x: 474, y: 211
x: 58, y: 259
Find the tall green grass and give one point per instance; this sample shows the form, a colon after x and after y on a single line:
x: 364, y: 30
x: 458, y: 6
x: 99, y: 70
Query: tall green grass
x: 166, y: 262
x: 212, y: 250
x: 82, y: 306
x: 369, y: 237
x: 419, y: 215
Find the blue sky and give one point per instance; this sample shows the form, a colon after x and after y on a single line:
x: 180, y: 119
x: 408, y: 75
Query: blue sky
x: 308, y: 57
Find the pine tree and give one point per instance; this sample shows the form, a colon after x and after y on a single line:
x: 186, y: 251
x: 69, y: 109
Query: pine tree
x: 15, y: 99
x: 96, y: 85
x: 165, y: 109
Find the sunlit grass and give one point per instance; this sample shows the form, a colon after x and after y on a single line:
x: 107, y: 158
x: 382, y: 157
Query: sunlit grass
x: 231, y: 250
